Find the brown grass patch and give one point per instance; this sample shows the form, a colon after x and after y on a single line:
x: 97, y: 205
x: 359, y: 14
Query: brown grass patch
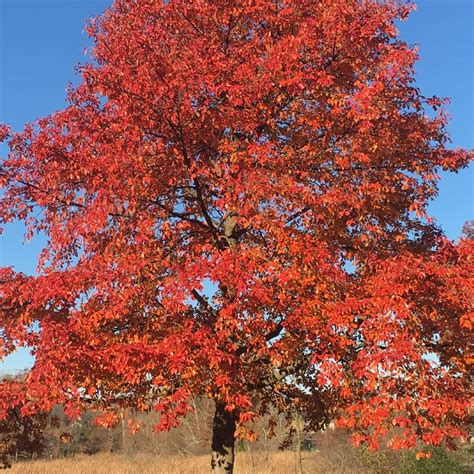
x: 246, y: 463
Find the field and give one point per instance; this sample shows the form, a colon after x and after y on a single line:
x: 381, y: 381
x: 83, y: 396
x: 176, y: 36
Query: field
x: 278, y: 463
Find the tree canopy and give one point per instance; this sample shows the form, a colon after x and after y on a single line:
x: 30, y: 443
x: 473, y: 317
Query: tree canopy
x: 234, y: 202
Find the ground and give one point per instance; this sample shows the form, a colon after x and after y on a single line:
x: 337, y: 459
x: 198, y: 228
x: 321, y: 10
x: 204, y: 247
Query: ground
x: 246, y: 463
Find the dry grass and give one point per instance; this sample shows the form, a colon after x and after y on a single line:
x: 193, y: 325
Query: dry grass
x: 246, y: 463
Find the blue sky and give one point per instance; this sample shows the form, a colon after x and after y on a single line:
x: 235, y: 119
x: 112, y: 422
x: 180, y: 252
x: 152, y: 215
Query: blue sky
x: 42, y: 40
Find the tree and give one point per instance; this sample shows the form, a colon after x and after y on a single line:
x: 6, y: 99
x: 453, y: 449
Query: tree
x: 20, y: 434
x: 468, y: 229
x: 234, y: 201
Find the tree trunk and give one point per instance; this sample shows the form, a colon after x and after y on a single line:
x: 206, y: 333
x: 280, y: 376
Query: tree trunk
x: 223, y: 439
x: 299, y: 429
x: 124, y: 442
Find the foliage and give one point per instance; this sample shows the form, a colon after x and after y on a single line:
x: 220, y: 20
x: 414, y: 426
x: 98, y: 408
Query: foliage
x: 21, y: 435
x: 440, y: 462
x: 235, y: 207
x: 376, y: 461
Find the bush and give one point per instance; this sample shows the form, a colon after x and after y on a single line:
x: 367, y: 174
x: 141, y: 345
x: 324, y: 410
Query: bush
x: 376, y: 461
x: 440, y: 462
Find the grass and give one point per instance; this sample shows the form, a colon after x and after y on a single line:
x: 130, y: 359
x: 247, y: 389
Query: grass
x: 246, y: 463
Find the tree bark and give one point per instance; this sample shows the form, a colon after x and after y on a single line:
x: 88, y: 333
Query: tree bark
x: 299, y: 429
x: 223, y: 440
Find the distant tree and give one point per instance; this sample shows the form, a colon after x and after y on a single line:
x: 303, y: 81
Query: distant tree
x: 468, y: 230
x: 21, y: 435
x: 234, y: 202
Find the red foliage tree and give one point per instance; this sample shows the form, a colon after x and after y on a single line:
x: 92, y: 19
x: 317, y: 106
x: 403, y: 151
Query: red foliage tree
x: 234, y: 203
x: 21, y: 434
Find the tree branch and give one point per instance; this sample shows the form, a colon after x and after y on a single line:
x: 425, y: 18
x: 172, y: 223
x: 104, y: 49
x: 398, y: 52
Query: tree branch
x: 271, y: 335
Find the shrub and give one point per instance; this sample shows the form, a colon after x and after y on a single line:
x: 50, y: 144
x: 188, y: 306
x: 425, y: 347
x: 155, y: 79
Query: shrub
x: 440, y: 462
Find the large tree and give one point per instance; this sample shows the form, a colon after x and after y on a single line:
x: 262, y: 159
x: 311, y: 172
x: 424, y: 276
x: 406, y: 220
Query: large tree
x: 234, y: 204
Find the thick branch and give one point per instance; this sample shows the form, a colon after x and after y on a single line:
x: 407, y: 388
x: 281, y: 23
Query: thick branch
x: 204, y: 303
x: 271, y: 335
x: 278, y: 374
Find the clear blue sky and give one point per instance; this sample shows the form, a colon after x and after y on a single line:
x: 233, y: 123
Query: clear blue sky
x: 42, y: 40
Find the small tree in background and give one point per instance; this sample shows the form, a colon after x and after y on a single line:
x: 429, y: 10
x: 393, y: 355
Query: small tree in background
x: 21, y: 434
x: 468, y: 230
x: 234, y: 202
